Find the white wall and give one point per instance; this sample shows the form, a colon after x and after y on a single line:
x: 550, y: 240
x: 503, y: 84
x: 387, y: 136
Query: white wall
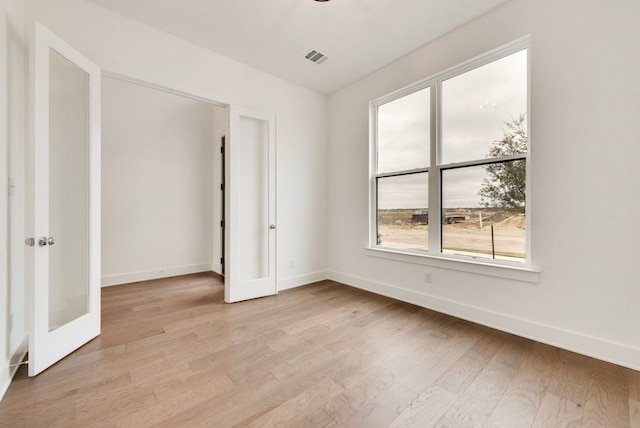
x: 124, y: 46
x: 157, y: 183
x: 12, y: 137
x: 585, y: 105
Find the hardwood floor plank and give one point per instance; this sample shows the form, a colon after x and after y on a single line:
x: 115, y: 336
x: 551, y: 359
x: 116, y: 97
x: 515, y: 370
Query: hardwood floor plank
x: 558, y: 412
x: 571, y: 376
x: 286, y: 413
x: 174, y: 397
x: 246, y: 404
x: 228, y: 409
x: 97, y: 407
x: 128, y: 333
x: 305, y: 337
x: 173, y: 354
x: 203, y: 386
x: 634, y: 384
x: 634, y: 398
x: 634, y: 413
x: 607, y: 401
x: 427, y: 409
x: 315, y: 418
x: 290, y: 366
x: 244, y: 353
x: 478, y: 401
x: 519, y: 404
x: 434, y: 354
x: 336, y: 314
x: 464, y: 371
x: 542, y: 359
x: 382, y: 410
x: 358, y: 395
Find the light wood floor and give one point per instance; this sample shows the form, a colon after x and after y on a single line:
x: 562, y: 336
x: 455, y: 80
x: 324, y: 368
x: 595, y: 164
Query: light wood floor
x: 173, y: 354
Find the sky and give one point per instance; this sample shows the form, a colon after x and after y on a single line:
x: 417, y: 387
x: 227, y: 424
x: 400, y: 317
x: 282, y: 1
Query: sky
x: 475, y: 107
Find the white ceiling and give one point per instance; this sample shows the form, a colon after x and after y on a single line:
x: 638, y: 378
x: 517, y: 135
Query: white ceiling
x: 358, y: 36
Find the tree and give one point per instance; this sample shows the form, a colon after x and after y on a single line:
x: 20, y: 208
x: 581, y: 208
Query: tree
x: 504, y: 186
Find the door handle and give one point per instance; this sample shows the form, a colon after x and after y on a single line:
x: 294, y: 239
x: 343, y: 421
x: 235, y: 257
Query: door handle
x: 272, y: 226
x: 43, y: 241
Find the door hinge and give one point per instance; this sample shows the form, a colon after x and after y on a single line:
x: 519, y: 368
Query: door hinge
x: 221, y: 223
x: 222, y: 260
x: 222, y: 187
x: 12, y: 187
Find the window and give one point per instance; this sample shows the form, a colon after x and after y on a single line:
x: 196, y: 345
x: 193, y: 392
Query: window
x: 450, y: 162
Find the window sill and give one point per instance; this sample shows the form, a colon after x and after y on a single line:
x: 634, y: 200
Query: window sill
x: 517, y: 273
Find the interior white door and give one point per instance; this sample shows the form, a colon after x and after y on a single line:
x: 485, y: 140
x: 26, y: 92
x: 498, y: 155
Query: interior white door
x: 250, y: 264
x: 65, y: 294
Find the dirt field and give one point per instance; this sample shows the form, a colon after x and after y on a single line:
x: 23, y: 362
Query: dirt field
x: 468, y: 236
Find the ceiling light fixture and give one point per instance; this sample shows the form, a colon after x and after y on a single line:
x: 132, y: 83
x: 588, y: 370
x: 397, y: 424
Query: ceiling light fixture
x: 320, y: 1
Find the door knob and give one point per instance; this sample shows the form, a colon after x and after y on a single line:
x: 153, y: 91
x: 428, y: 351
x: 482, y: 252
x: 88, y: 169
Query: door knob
x: 43, y: 241
x: 273, y: 226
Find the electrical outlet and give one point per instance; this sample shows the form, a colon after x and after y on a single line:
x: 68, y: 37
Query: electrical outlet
x: 292, y: 264
x: 427, y: 277
x: 11, y: 322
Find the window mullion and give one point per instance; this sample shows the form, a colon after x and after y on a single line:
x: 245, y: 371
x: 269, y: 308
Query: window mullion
x: 435, y: 243
x: 486, y: 161
x: 399, y: 173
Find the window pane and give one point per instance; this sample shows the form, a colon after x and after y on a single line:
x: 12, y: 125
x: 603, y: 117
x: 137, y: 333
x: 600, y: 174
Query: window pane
x: 404, y: 132
x: 478, y: 105
x: 402, y: 211
x: 483, y: 211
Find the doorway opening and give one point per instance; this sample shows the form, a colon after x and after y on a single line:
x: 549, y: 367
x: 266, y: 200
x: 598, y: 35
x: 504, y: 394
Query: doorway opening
x: 161, y: 168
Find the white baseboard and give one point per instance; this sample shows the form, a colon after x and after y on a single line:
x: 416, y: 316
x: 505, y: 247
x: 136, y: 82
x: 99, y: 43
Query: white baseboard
x: 217, y: 268
x: 125, y: 278
x: 7, y: 373
x: 595, y: 347
x: 300, y: 280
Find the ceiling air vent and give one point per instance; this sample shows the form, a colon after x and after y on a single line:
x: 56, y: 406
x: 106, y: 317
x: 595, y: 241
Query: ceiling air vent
x: 316, y: 57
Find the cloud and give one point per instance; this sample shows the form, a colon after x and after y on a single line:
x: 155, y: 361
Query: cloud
x: 404, y: 133
x: 404, y: 191
x: 475, y: 107
x: 460, y: 187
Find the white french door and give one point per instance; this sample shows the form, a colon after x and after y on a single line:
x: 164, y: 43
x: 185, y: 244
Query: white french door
x: 65, y: 254
x: 250, y: 232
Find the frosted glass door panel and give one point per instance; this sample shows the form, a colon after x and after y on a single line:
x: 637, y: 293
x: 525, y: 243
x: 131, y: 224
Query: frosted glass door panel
x: 253, y: 220
x: 69, y: 191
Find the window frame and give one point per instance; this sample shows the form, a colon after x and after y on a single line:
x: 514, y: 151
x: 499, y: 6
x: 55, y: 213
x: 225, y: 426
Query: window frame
x: 435, y: 169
